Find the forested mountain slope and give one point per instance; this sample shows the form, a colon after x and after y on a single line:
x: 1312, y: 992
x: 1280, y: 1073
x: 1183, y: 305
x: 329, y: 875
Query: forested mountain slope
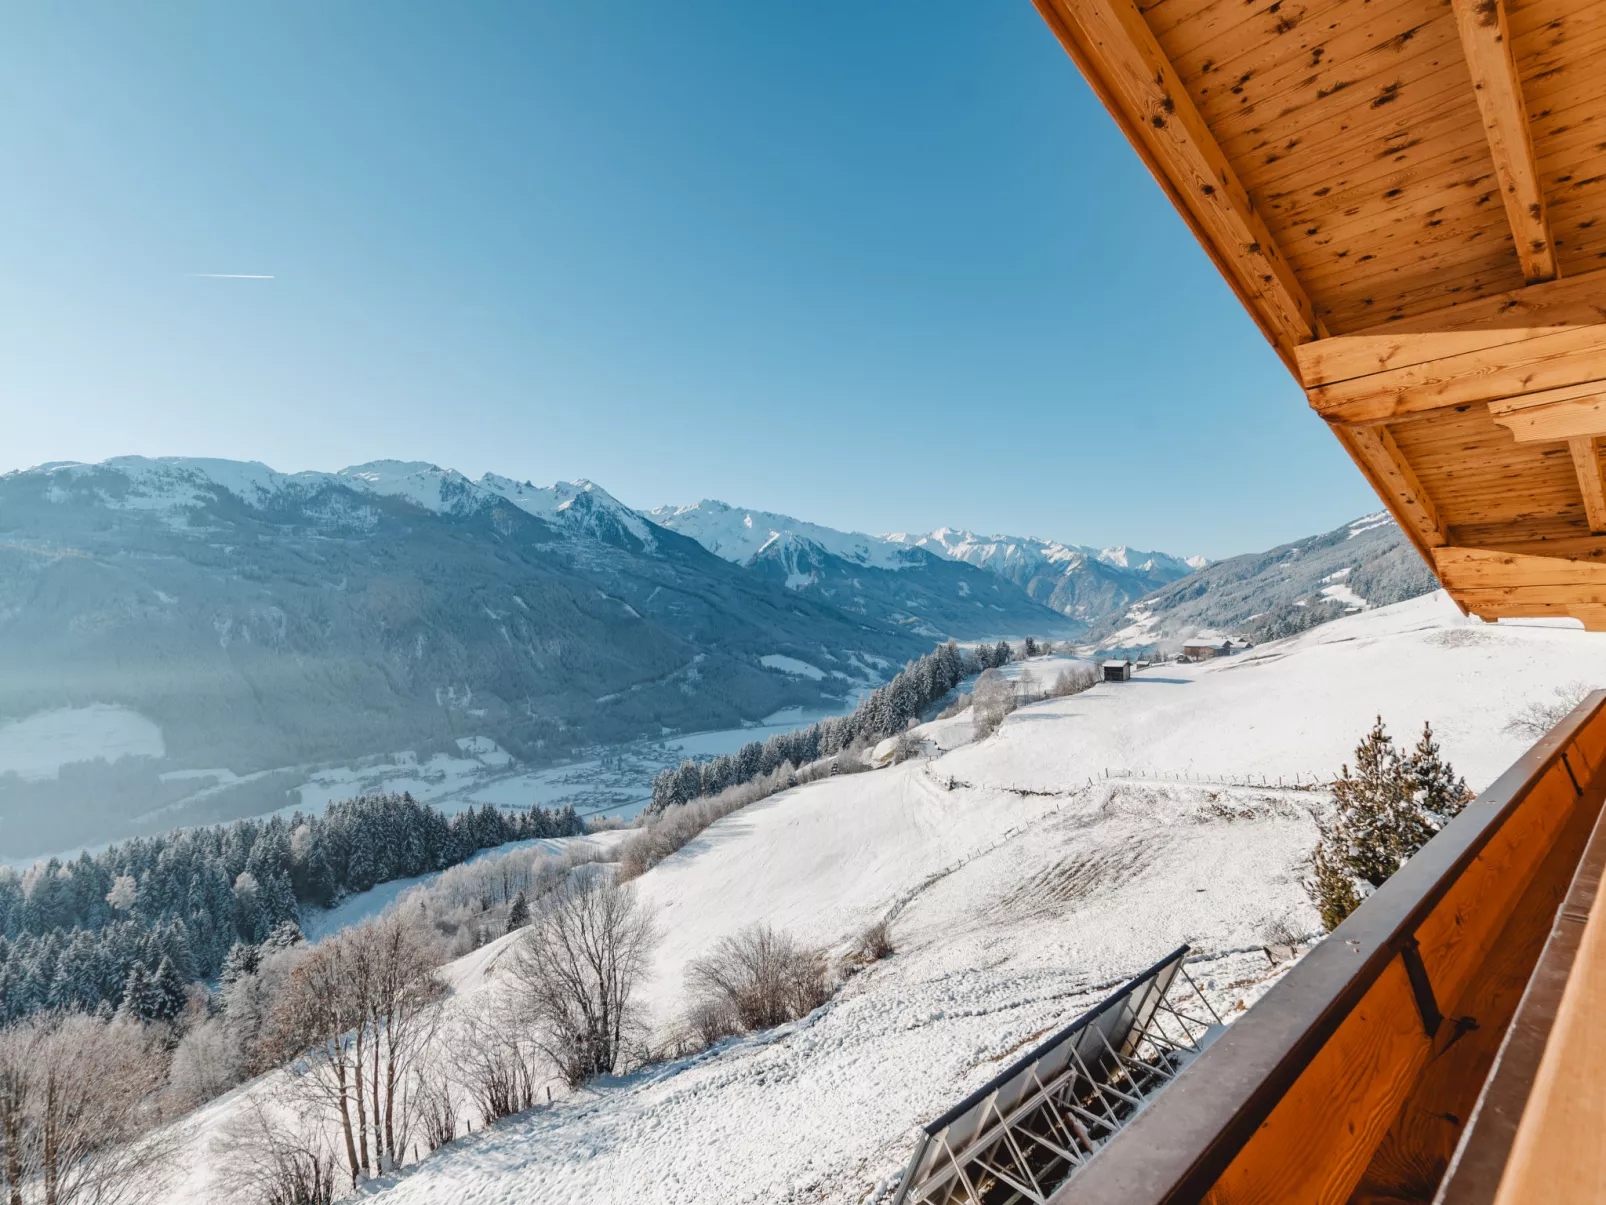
x: 212, y: 615
x: 1285, y: 590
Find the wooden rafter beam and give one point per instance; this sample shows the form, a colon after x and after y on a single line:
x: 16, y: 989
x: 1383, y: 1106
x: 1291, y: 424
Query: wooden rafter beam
x: 1543, y: 337
x: 1586, y: 463
x: 1562, y: 360
x: 1485, y: 41
x: 1391, y: 475
x: 1515, y: 316
x: 1122, y: 61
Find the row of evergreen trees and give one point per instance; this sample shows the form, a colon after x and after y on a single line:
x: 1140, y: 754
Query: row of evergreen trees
x: 150, y: 915
x: 884, y: 712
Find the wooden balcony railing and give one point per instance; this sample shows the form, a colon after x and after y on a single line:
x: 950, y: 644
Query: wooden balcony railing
x: 1359, y: 1075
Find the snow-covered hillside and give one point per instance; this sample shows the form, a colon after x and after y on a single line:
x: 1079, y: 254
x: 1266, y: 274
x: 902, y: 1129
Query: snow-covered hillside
x: 1276, y: 593
x: 1023, y: 876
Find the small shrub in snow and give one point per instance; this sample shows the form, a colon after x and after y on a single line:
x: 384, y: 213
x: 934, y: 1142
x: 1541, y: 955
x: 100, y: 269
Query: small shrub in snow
x: 1539, y: 717
x: 876, y: 942
x: 495, y: 1062
x: 1389, y: 808
x: 759, y: 979
x: 435, y: 1109
x: 274, y: 1158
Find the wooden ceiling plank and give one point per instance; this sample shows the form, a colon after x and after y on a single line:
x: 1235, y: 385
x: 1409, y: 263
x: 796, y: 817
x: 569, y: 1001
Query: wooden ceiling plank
x: 1111, y: 43
x: 1271, y: 72
x: 1354, y: 112
x: 1484, y: 37
x: 1586, y: 462
x: 1378, y: 176
x: 1396, y: 482
x: 1571, y: 301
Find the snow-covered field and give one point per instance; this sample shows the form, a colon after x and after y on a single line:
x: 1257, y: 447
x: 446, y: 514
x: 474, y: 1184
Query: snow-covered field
x: 1023, y: 875
x: 39, y: 745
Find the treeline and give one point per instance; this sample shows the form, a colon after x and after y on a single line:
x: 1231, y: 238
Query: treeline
x: 884, y: 712
x: 129, y: 928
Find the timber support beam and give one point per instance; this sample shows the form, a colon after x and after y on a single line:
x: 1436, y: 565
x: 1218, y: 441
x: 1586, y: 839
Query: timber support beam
x: 1485, y: 39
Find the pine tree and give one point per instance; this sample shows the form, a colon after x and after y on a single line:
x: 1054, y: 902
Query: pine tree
x: 1439, y: 790
x: 138, y: 997
x: 1390, y: 807
x: 167, y: 989
x: 285, y: 934
x: 242, y: 959
x: 1381, y: 827
x: 1331, y: 888
x: 518, y: 915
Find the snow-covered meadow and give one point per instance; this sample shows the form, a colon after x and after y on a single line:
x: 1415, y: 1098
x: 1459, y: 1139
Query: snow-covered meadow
x: 1023, y: 876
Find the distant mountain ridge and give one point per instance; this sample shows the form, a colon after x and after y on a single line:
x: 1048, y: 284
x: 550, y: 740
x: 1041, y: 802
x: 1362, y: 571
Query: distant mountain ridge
x: 1280, y: 592
x: 1082, y: 584
x: 869, y: 575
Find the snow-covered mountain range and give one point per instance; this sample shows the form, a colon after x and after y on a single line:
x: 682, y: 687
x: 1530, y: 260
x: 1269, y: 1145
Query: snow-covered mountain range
x: 166, y: 619
x: 1082, y: 584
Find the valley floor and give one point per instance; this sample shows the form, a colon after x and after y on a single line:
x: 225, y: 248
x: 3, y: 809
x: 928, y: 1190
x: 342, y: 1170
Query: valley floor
x: 1024, y: 876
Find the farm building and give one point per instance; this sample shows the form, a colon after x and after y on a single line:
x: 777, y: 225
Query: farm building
x: 1201, y: 649
x: 1117, y: 671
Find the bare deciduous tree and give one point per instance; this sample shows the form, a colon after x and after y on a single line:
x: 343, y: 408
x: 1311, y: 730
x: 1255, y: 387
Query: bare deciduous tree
x: 759, y: 978
x: 991, y: 699
x: 402, y: 991
x: 321, y: 1012
x: 361, y: 1005
x: 1073, y: 681
x: 78, y: 1103
x: 576, y: 971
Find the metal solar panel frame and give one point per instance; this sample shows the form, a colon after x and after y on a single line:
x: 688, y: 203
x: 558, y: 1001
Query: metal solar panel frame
x: 1024, y: 1132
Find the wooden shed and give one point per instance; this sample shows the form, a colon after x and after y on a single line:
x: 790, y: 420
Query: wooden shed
x: 1407, y: 197
x: 1117, y: 671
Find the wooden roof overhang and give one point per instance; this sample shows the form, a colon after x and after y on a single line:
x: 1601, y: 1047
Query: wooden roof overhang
x: 1406, y: 195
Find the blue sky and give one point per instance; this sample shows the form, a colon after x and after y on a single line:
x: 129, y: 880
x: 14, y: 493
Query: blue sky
x: 883, y: 266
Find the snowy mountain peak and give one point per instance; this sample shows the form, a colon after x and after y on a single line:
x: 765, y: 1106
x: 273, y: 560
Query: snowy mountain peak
x: 581, y: 507
x: 429, y: 486
x: 740, y: 535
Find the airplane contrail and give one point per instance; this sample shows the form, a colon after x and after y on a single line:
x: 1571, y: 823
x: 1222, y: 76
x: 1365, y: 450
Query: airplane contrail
x: 232, y: 276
